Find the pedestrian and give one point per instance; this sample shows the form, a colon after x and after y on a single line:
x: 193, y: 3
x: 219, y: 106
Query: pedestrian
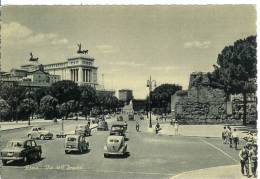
x: 176, y: 128
x: 224, y: 135
x: 253, y: 159
x: 230, y: 136
x: 235, y: 138
x: 157, y: 127
x: 244, y: 160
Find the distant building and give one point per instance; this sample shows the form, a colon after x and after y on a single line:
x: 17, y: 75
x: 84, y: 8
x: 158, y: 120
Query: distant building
x: 125, y: 95
x: 78, y: 68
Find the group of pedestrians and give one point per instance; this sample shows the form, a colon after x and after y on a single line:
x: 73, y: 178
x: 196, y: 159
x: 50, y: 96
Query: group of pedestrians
x: 248, y: 153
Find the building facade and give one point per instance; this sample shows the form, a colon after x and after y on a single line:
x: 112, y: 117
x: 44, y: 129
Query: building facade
x: 79, y: 68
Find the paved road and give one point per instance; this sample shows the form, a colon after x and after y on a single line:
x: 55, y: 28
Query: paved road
x: 151, y: 156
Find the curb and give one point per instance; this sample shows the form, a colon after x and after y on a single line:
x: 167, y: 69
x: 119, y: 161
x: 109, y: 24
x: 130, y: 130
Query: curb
x: 22, y: 127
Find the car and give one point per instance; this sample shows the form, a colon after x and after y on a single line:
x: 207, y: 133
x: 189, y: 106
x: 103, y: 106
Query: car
x: 39, y: 133
x: 102, y: 126
x: 131, y: 117
x: 120, y: 118
x: 115, y: 145
x: 118, y: 130
x: 24, y: 150
x: 75, y: 142
x: 83, y: 130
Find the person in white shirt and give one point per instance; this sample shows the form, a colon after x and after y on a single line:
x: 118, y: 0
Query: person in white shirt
x: 176, y: 128
x: 235, y: 138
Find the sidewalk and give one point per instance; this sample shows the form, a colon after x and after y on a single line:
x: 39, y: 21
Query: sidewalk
x: 21, y: 124
x: 197, y: 130
x: 222, y: 172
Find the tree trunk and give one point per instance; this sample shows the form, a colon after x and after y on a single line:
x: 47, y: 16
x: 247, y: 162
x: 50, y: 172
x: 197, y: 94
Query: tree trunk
x: 244, y: 108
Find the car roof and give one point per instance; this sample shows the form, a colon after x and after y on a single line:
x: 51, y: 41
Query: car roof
x: 115, y: 137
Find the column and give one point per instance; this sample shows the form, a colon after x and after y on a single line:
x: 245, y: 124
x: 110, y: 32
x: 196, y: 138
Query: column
x: 71, y: 75
x: 80, y: 75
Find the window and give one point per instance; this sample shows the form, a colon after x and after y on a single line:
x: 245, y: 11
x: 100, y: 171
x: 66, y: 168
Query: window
x: 33, y: 144
x: 28, y: 144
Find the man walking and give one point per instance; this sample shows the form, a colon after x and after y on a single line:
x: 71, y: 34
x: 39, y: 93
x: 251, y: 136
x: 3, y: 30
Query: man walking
x: 244, y: 160
x: 224, y: 135
x: 176, y: 128
x: 253, y: 159
x: 235, y: 138
x: 230, y: 136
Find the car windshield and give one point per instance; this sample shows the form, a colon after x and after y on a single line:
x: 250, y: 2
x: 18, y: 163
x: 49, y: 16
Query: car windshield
x: 71, y: 139
x: 14, y: 144
x: 115, y: 128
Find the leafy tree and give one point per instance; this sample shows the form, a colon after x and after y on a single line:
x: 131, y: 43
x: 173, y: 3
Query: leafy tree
x: 4, y: 109
x: 161, y: 95
x: 13, y: 95
x: 27, y: 107
x: 65, y: 90
x: 48, y: 107
x: 88, y: 98
x: 236, y: 69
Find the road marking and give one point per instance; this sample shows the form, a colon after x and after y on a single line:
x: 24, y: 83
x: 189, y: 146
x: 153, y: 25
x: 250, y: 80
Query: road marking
x: 220, y: 150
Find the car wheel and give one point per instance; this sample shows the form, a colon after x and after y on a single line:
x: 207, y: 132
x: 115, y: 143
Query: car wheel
x: 4, y: 162
x: 25, y: 159
x: 41, y: 137
x: 81, y: 149
x: 66, y: 152
x: 105, y: 155
x: 39, y: 156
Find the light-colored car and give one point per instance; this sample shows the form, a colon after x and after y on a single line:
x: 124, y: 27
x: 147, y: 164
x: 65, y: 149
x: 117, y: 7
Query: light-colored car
x: 39, y: 133
x: 115, y: 145
x: 25, y: 150
x: 76, y: 143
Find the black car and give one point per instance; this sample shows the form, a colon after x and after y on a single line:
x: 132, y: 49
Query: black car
x: 118, y: 129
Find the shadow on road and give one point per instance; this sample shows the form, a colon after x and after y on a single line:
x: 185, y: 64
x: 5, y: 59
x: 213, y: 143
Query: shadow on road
x: 18, y: 163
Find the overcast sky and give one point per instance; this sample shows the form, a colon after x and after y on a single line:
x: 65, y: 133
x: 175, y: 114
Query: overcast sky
x: 128, y: 42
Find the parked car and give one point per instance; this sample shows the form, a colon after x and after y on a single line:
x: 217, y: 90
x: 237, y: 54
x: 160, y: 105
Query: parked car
x: 25, y: 150
x: 75, y: 142
x: 120, y: 118
x: 39, y: 133
x: 118, y: 130
x: 83, y: 130
x: 102, y: 126
x: 115, y: 145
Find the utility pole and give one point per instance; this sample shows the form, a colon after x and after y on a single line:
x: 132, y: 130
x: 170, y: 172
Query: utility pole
x: 150, y: 84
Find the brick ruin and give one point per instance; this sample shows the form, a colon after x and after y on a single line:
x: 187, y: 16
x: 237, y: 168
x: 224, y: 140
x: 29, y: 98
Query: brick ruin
x: 202, y: 103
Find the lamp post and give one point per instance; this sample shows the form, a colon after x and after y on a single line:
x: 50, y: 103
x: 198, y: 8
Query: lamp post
x: 150, y: 84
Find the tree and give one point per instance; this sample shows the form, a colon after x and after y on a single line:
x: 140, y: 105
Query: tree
x: 48, y: 107
x: 236, y: 69
x: 4, y: 109
x: 65, y: 90
x: 88, y: 98
x: 13, y: 95
x: 161, y: 95
x: 27, y: 107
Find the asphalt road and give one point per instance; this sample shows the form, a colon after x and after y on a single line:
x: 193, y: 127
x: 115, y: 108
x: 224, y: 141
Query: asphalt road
x: 150, y: 156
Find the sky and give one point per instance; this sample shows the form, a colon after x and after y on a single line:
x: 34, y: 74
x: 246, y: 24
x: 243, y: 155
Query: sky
x: 129, y: 43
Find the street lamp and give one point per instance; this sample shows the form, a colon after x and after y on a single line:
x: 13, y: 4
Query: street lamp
x: 150, y: 84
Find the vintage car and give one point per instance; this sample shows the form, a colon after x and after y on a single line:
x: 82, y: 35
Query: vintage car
x: 75, y: 142
x: 120, y: 118
x: 83, y: 130
x: 25, y: 150
x: 118, y: 129
x: 115, y: 145
x: 102, y: 126
x: 39, y: 133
